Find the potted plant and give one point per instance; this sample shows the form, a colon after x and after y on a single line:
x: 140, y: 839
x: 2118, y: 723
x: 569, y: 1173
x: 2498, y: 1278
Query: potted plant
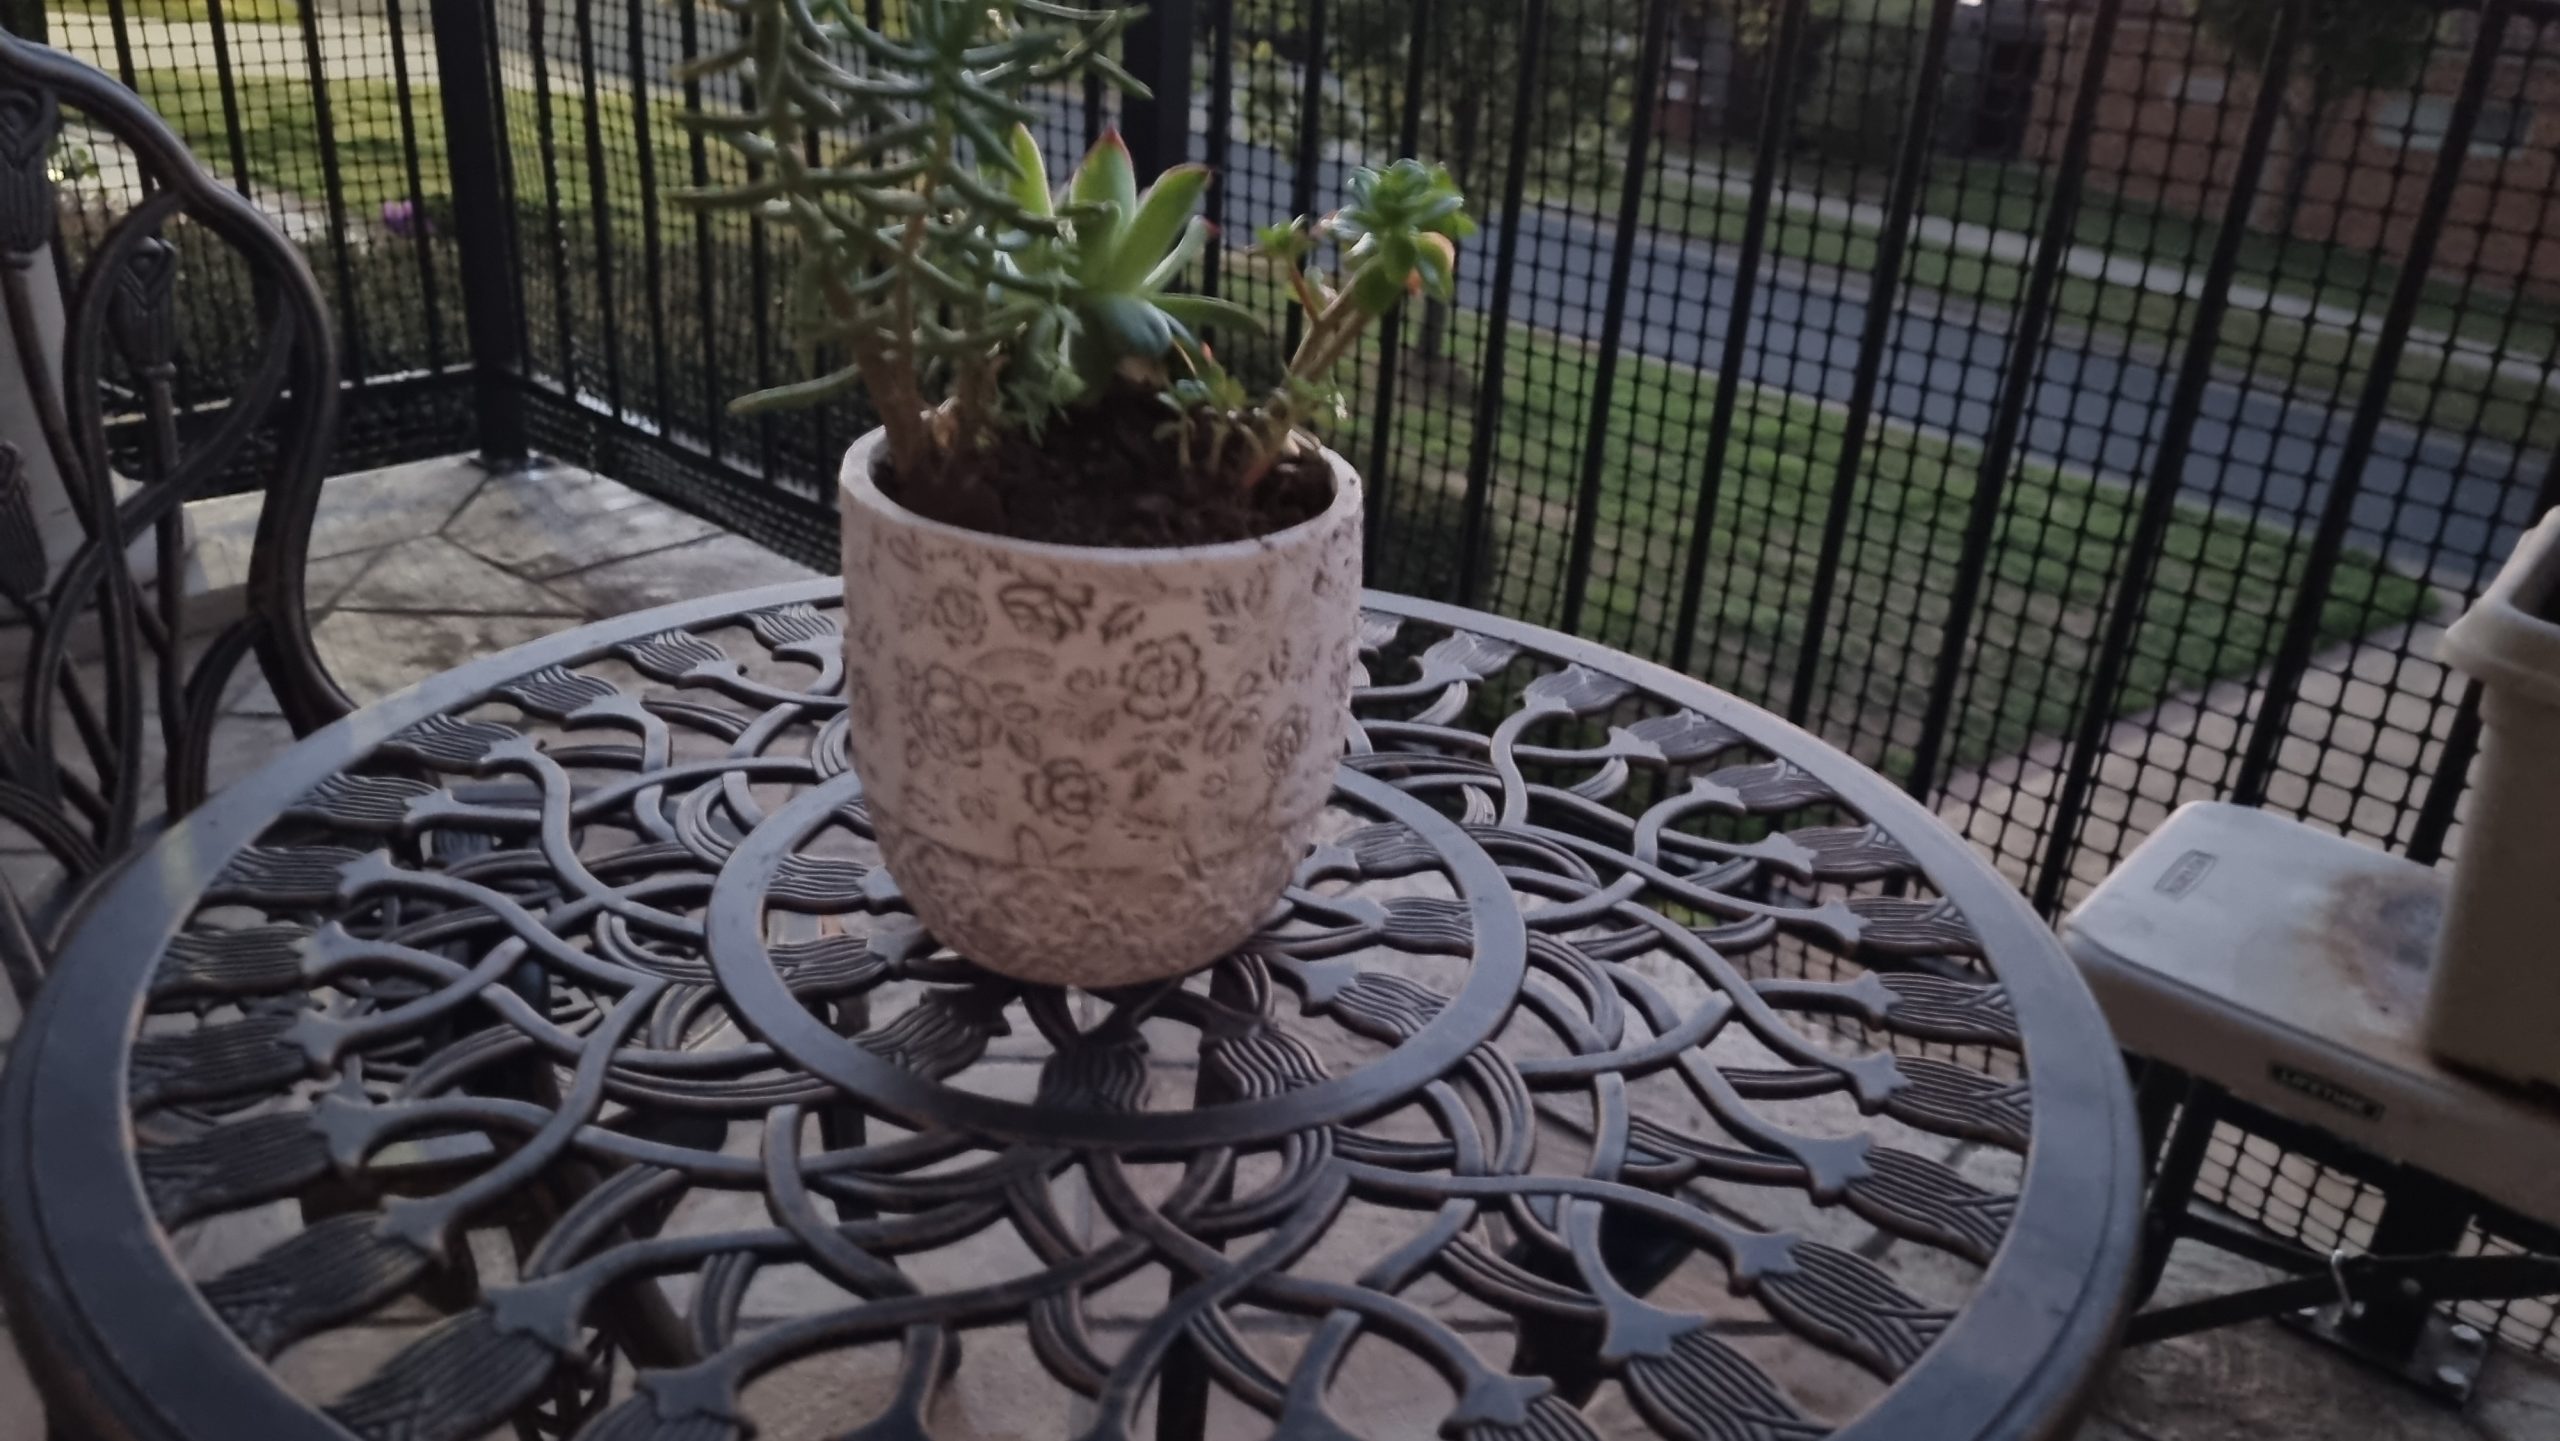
x: 1101, y: 599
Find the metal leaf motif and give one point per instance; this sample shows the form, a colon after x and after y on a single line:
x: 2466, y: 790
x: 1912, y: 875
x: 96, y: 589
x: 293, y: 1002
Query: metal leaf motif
x: 1907, y: 926
x: 375, y: 804
x: 1704, y: 1390
x: 284, y: 875
x: 1465, y: 656
x: 1847, y: 1302
x: 1935, y: 1008
x: 799, y: 625
x: 29, y: 119
x: 232, y: 1166
x: 672, y: 655
x: 237, y: 1059
x: 1956, y: 1101
x: 455, y: 1382
x: 946, y: 1032
x: 250, y: 961
x: 1576, y: 689
x: 1913, y: 1196
x: 448, y: 743
x: 342, y: 1267
x: 1378, y: 630
x: 1428, y: 925
x: 1853, y: 853
x: 557, y: 692
x: 22, y: 558
x: 139, y: 315
x: 817, y: 883
x: 1771, y: 786
x: 1683, y: 737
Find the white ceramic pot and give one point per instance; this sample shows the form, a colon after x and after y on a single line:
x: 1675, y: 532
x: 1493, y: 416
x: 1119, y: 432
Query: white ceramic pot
x: 1092, y: 766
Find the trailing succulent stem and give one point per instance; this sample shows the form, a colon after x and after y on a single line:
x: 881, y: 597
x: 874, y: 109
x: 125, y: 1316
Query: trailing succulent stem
x: 943, y: 277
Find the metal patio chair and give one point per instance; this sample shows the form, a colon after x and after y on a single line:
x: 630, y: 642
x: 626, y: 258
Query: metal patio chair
x: 2269, y: 978
x: 111, y: 699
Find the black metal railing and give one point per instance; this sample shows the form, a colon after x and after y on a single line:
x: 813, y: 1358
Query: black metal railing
x: 2069, y: 408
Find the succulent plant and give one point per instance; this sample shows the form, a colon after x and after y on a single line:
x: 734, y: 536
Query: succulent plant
x: 934, y: 256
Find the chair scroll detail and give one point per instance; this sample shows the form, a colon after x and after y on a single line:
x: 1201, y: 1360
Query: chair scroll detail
x: 107, y: 716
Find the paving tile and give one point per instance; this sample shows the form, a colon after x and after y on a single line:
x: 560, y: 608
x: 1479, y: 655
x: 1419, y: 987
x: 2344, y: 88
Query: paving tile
x: 374, y: 654
x: 547, y: 522
x: 686, y: 572
x: 357, y: 511
x: 433, y: 575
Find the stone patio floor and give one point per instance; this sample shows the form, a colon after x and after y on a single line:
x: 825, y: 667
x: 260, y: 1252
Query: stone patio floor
x: 417, y: 568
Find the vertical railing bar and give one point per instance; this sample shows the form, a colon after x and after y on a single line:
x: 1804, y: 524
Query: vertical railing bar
x: 1884, y: 280
x: 1218, y: 146
x: 2453, y: 768
x: 599, y: 202
x: 116, y: 24
x: 653, y: 246
x: 537, y: 41
x: 1391, y: 330
x: 1092, y: 111
x: 2017, y: 387
x: 1497, y: 327
x: 420, y: 242
x: 705, y: 274
x: 1157, y: 49
x: 2444, y: 789
x: 509, y: 216
x: 218, y: 28
x: 1310, y: 146
x: 483, y: 224
x: 333, y: 193
x: 2159, y: 500
x: 1613, y: 309
x: 1777, y: 110
x: 2302, y: 626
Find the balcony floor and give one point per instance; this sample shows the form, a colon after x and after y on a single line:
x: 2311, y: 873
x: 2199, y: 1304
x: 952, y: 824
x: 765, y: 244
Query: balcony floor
x: 419, y: 567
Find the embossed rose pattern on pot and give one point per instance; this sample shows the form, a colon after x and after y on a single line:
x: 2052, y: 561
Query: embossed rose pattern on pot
x: 1126, y: 746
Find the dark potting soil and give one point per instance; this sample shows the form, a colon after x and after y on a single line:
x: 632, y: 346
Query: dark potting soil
x: 1110, y: 474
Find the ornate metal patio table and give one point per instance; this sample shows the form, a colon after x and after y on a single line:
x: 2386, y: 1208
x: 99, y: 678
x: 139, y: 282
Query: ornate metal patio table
x: 545, y: 1046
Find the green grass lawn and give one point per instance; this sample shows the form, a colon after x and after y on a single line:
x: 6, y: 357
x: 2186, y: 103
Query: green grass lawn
x: 234, y: 12
x: 2217, y: 609
x: 281, y: 139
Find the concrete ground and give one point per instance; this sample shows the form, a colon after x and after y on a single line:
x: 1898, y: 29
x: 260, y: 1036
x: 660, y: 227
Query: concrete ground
x: 417, y: 568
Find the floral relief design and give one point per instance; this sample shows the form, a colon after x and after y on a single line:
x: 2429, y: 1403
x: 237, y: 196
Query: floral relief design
x: 1225, y: 727
x: 1044, y: 610
x: 951, y: 712
x: 1066, y: 791
x: 1162, y: 678
x: 1286, y: 742
x: 958, y: 615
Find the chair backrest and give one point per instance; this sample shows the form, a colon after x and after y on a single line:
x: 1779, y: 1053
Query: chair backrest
x: 121, y: 414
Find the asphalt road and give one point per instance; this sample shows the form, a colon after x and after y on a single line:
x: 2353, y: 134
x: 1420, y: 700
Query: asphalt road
x: 2438, y: 505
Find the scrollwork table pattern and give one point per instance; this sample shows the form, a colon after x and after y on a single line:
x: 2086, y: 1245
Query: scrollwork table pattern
x: 1621, y: 1061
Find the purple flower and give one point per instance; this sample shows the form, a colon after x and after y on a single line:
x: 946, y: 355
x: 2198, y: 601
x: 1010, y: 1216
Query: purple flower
x: 401, y: 218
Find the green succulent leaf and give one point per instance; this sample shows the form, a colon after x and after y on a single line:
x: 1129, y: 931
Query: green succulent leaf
x: 1162, y: 217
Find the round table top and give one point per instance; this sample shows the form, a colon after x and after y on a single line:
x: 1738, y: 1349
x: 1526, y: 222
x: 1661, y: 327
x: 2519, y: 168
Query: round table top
x: 547, y: 1045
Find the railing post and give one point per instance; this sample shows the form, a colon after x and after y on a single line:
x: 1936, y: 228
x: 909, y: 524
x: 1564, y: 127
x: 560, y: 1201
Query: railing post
x: 483, y: 227
x: 1157, y: 49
